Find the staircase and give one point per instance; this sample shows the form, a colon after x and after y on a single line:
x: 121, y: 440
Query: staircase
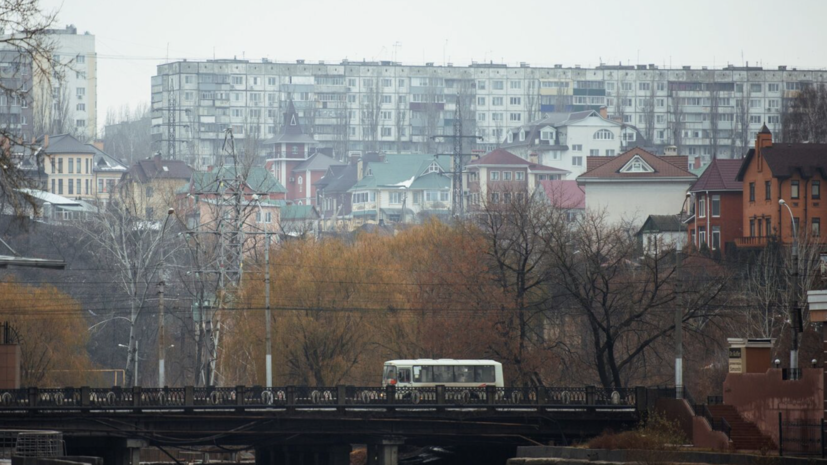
x: 744, y: 434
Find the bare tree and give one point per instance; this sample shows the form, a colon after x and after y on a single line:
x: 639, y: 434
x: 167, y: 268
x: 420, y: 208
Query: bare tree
x: 649, y: 114
x: 714, y: 117
x: 135, y: 250
x: 676, y: 119
x: 341, y: 133
x: 740, y: 132
x: 127, y: 133
x: 805, y: 116
x: 371, y: 110
x: 532, y: 99
x: 402, y: 122
x: 51, y: 112
x: 27, y: 58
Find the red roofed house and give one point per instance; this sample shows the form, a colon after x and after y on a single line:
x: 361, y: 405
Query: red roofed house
x: 792, y: 172
x: 565, y: 195
x: 635, y: 184
x: 288, y: 158
x: 717, y: 206
x: 494, y: 177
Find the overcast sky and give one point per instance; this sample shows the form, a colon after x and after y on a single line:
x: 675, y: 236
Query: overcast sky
x: 132, y: 37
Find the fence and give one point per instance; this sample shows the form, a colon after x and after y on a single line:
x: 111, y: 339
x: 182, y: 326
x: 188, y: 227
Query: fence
x: 258, y: 396
x: 801, y: 438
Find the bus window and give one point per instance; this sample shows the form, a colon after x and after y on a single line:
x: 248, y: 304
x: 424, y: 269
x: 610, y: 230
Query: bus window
x: 464, y: 374
x: 443, y: 374
x: 484, y: 374
x: 390, y: 373
x: 423, y: 374
x: 404, y: 375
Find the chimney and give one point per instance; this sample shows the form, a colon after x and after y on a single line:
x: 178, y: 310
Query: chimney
x: 46, y: 141
x: 670, y: 151
x: 359, y: 166
x: 764, y: 138
x: 98, y: 144
x: 534, y: 158
x: 604, y: 113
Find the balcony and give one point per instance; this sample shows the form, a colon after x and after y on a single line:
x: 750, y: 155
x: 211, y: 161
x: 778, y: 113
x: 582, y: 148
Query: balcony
x: 753, y: 242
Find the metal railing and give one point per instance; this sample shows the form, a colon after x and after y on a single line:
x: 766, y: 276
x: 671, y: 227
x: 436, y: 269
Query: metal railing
x: 298, y: 396
x: 717, y: 424
x: 791, y: 374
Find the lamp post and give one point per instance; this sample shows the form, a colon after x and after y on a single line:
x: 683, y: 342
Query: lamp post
x: 679, y: 314
x: 795, y: 312
x: 268, y: 362
x: 162, y: 348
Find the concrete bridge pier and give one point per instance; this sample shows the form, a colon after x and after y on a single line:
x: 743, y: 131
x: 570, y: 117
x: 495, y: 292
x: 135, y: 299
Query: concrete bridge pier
x: 385, y: 451
x: 322, y: 454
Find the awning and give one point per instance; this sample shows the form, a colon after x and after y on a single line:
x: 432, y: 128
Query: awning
x: 364, y: 213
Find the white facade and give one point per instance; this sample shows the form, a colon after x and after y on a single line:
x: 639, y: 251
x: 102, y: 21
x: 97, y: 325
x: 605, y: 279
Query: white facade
x: 248, y: 95
x: 631, y: 201
x: 76, y: 52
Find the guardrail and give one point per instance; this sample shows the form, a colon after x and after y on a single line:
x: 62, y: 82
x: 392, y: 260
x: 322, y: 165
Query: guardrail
x: 297, y: 396
x: 719, y: 424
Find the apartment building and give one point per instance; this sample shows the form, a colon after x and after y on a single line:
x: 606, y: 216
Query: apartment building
x: 75, y: 95
x: 368, y: 106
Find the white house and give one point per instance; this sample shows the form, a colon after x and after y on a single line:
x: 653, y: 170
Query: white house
x: 635, y: 184
x: 564, y: 140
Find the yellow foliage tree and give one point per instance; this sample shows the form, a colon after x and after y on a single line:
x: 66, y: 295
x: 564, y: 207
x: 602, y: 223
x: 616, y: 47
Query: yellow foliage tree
x: 53, y: 335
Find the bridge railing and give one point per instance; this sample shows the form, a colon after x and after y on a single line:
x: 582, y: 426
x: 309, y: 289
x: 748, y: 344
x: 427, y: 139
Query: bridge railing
x: 300, y: 396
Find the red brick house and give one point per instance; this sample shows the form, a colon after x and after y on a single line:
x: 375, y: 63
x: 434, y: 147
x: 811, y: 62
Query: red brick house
x: 717, y: 207
x: 291, y: 157
x: 793, y: 172
x: 499, y: 173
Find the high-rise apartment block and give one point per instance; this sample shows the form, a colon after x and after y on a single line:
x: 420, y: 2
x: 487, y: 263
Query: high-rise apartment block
x: 365, y: 106
x: 76, y: 91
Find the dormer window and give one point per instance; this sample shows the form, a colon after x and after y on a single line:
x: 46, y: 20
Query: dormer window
x: 604, y: 134
x: 522, y: 135
x: 547, y: 135
x: 293, y: 120
x: 637, y: 165
x: 433, y: 168
x: 510, y: 137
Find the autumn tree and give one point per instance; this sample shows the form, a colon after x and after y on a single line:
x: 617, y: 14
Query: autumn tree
x: 53, y: 335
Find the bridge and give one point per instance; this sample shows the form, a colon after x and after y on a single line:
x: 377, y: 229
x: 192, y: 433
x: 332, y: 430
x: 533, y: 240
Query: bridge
x: 298, y: 425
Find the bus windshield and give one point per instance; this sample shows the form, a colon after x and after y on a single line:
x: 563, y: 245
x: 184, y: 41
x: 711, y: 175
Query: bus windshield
x: 389, y: 374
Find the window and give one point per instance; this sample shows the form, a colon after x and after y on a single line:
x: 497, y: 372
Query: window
x: 81, y: 123
x: 60, y: 165
x: 773, y: 87
x: 148, y: 192
x: 60, y: 186
x: 400, y: 83
x: 796, y: 225
x: 576, y: 161
x: 71, y: 170
x: 497, y: 101
x: 514, y: 117
x: 769, y: 228
x: 363, y: 197
x: 755, y: 119
x: 752, y: 192
x: 702, y: 207
x: 515, y: 101
x: 506, y: 175
x: 751, y: 228
x: 495, y: 176
x: 481, y: 101
x: 386, y: 115
x: 86, y: 187
x: 515, y: 84
x: 237, y: 80
x: 794, y: 185
x: 480, y: 85
x: 594, y: 152
x: 716, y: 237
x: 81, y: 107
x: 386, y: 132
x: 519, y: 175
x: 395, y: 197
x: 816, y: 190
x: 815, y: 225
x: 716, y: 205
x: 767, y: 190
x: 480, y: 116
x: 70, y: 185
x: 577, y: 148
x: 497, y: 85
x: 81, y: 91
x: 604, y: 134
x: 755, y: 87
x: 495, y: 197
x: 773, y: 103
x: 760, y: 228
x: 100, y: 186
x: 443, y: 196
x: 387, y: 99
x: 610, y: 152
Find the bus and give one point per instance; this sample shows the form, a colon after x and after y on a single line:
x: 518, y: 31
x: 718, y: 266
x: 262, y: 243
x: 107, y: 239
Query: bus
x: 426, y: 372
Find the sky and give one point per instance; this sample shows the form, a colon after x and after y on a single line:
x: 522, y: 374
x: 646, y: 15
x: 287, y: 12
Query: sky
x: 133, y: 37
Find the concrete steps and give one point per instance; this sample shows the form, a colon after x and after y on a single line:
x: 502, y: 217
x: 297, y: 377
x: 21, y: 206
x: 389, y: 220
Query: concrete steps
x: 744, y: 435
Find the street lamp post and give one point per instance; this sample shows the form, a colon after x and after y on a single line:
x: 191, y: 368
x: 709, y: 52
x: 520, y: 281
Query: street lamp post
x: 795, y: 312
x: 161, y: 342
x: 679, y: 313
